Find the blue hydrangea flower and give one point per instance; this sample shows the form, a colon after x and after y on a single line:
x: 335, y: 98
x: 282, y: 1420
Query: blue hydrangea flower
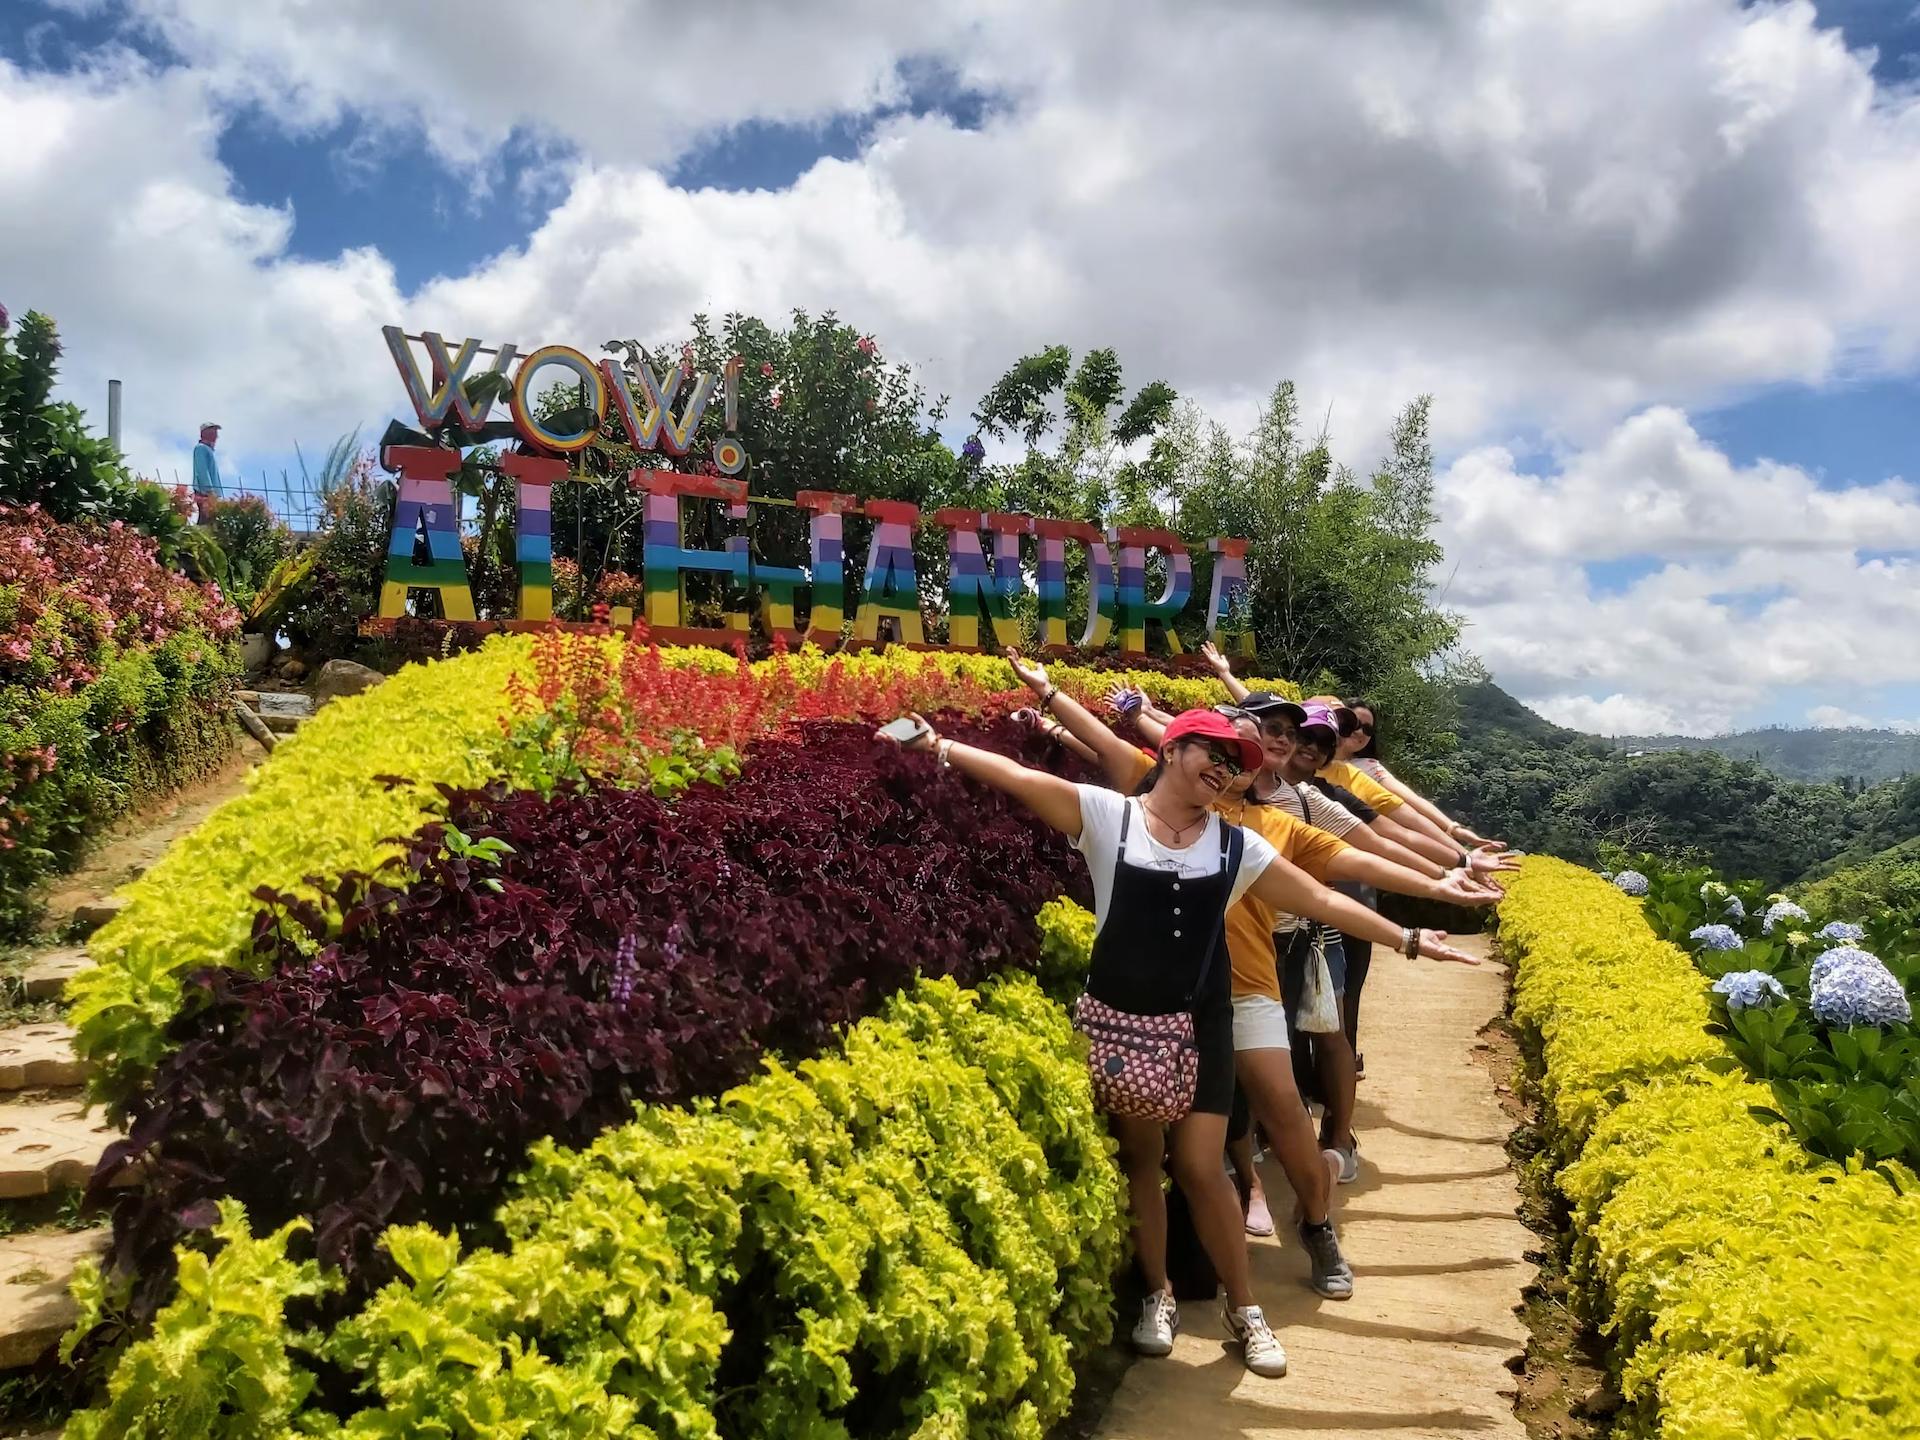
x: 1734, y: 910
x: 1715, y: 937
x: 1630, y: 882
x: 1778, y: 911
x: 1746, y: 989
x: 1856, y: 989
x: 1841, y: 955
x: 1842, y: 930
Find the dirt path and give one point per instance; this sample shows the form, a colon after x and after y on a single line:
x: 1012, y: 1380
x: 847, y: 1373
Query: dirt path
x: 136, y: 841
x: 1422, y: 1348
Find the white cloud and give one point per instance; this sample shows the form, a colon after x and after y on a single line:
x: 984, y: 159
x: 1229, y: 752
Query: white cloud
x: 1746, y: 580
x: 1616, y: 714
x: 1579, y: 220
x: 1833, y: 717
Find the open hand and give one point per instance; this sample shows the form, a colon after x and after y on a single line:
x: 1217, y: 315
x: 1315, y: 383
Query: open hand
x: 1489, y: 860
x: 1433, y: 945
x: 1031, y: 674
x: 1219, y: 663
x: 1460, y: 888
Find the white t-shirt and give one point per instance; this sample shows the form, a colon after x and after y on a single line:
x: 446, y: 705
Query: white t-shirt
x: 1101, y: 810
x: 1327, y: 814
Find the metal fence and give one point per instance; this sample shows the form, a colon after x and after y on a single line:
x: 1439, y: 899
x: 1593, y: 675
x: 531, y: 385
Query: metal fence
x: 294, y: 499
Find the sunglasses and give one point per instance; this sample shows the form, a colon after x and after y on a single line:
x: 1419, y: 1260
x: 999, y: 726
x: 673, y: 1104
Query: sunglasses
x: 1217, y: 756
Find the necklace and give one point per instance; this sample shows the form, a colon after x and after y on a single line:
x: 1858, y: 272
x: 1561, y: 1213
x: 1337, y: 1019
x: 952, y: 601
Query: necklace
x: 1178, y: 830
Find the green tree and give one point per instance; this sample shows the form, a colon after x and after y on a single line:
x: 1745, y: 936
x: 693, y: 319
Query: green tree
x: 47, y: 458
x: 1090, y: 470
x: 820, y: 409
x: 1339, y: 568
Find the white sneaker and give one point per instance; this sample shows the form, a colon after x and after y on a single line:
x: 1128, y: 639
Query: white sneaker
x: 1349, y: 1162
x: 1159, y: 1318
x: 1258, y: 1348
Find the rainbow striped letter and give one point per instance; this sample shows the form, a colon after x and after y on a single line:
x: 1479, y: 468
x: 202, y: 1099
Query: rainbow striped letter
x: 827, y: 616
x: 534, y: 478
x: 892, y: 589
x: 1227, y: 617
x: 975, y: 588
x: 426, y: 501
x: 1135, y: 609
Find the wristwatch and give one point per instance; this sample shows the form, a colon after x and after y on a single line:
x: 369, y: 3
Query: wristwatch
x: 1410, y: 944
x: 943, y: 754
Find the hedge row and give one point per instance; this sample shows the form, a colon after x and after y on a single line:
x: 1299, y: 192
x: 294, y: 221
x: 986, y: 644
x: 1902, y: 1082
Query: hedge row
x: 115, y: 678
x: 539, y: 965
x: 1752, y: 1289
x: 914, y: 1237
x: 329, y: 804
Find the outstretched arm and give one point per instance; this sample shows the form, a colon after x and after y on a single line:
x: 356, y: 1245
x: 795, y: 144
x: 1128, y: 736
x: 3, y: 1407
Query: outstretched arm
x: 1058, y: 733
x: 1289, y: 889
x: 1099, y: 744
x: 1051, y: 799
x: 1372, y: 838
x: 1223, y: 668
x: 1455, y: 887
x: 1396, y: 830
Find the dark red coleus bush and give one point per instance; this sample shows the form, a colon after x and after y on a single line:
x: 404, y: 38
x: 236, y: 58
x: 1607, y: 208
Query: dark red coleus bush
x: 625, y: 951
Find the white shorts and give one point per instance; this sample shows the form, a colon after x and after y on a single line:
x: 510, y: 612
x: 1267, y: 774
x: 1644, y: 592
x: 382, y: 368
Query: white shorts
x: 1259, y: 1023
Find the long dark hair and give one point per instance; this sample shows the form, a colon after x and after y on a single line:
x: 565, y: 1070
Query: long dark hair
x: 1371, y: 750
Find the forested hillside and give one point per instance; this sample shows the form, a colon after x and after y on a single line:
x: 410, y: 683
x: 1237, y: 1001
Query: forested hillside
x: 1865, y: 756
x: 1547, y: 788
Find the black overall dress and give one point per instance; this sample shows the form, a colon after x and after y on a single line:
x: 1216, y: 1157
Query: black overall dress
x: 1159, y: 929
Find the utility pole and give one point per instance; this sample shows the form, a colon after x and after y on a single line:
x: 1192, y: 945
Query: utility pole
x: 113, y: 413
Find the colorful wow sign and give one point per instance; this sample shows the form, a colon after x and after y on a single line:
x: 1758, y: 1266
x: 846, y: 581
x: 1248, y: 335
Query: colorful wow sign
x: 992, y: 558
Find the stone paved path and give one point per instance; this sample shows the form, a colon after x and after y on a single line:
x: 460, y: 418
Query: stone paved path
x: 1421, y: 1349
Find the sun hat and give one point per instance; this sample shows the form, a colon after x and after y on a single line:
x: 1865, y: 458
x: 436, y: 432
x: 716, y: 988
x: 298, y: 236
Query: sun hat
x: 1262, y: 703
x: 1208, y: 725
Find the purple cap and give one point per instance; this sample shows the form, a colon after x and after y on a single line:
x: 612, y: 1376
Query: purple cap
x: 1315, y: 713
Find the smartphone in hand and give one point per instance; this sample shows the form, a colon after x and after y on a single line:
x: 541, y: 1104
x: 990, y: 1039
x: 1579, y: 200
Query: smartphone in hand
x: 905, y: 730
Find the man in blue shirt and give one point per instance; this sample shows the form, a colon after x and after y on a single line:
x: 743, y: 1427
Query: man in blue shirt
x: 206, y: 471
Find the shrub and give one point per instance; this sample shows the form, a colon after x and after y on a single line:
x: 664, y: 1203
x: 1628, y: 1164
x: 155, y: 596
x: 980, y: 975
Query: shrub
x: 1840, y: 1053
x: 320, y: 808
x: 321, y: 611
x: 254, y: 543
x: 114, y: 683
x: 554, y: 961
x: 1751, y: 1288
x: 914, y: 1236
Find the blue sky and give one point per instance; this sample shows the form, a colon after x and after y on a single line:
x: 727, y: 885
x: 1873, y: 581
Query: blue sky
x: 932, y: 123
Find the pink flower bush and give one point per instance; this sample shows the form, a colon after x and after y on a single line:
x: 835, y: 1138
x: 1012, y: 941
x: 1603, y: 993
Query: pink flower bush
x: 71, y: 595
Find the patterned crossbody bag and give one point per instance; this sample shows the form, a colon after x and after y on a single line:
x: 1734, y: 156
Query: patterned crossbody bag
x: 1146, y: 1067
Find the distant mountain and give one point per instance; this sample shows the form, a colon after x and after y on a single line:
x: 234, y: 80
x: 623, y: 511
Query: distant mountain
x: 1583, y: 797
x: 1868, y: 756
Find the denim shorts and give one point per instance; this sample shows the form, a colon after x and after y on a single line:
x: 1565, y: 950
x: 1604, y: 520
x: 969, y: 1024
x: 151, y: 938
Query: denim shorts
x: 1336, y: 961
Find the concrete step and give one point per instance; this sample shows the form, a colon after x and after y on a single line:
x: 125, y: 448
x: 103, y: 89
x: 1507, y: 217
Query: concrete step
x: 290, y: 704
x: 91, y: 915
x: 47, y: 974
x: 48, y: 1145
x: 34, y: 1057
x: 36, y: 1270
x: 282, y: 724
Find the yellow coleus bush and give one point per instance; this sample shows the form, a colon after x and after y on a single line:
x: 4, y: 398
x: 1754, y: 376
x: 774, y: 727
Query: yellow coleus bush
x: 328, y: 803
x: 1752, y: 1289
